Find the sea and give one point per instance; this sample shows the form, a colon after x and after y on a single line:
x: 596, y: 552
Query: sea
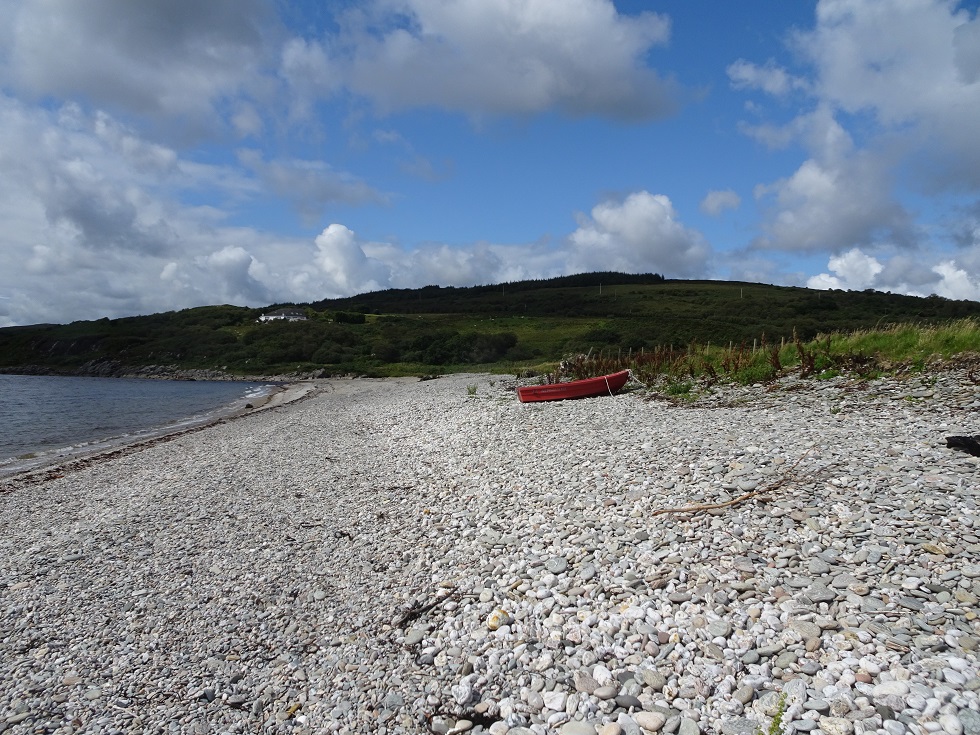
x: 46, y: 419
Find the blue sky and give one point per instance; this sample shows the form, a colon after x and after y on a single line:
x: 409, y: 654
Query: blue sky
x: 171, y: 153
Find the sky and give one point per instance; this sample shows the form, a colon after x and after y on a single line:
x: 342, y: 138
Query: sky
x: 164, y: 154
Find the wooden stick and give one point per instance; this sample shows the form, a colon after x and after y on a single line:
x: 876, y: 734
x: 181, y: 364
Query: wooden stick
x: 418, y: 611
x: 734, y: 501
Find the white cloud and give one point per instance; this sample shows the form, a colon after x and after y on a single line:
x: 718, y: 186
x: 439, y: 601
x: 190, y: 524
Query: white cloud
x: 174, y: 60
x: 902, y: 75
x: 920, y: 276
x: 770, y: 78
x: 838, y: 199
x: 716, y: 202
x: 100, y: 222
x: 512, y: 56
x: 346, y: 266
x: 913, y: 64
x: 853, y: 270
x: 309, y: 73
x: 956, y: 283
x: 640, y: 234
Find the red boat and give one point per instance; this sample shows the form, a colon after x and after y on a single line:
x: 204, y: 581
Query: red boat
x: 588, y: 388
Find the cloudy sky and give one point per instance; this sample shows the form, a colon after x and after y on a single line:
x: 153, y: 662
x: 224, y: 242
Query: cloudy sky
x: 161, y: 154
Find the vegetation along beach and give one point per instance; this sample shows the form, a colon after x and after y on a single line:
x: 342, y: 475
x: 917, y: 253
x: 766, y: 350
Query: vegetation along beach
x: 702, y: 554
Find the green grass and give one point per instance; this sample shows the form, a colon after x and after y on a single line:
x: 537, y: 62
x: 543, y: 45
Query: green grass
x: 776, y: 724
x: 863, y: 354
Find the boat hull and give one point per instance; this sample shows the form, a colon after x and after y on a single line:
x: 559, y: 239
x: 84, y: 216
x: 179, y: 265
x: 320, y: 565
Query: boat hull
x: 604, y: 385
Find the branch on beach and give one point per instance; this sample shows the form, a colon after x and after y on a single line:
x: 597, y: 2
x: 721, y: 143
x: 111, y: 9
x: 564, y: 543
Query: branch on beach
x: 420, y: 610
x: 734, y: 501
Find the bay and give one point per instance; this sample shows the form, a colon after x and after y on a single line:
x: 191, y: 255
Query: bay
x: 44, y: 418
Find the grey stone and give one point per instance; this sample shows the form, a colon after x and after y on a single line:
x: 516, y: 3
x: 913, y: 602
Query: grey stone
x: 970, y: 720
x: 744, y: 694
x: 653, y: 679
x: 576, y: 727
x: 557, y: 565
x: 628, y: 701
x: 652, y: 721
x: 719, y: 628
x: 739, y: 726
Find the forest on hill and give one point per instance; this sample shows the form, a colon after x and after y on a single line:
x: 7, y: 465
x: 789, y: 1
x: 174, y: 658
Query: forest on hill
x: 444, y: 329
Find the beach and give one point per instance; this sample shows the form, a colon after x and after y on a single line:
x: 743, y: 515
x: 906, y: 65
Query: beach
x: 405, y: 556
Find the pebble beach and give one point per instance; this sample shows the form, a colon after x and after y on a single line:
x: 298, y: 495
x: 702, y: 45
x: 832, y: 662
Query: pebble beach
x: 402, y: 556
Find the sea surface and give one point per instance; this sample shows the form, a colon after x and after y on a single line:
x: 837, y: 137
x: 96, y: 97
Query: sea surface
x: 46, y: 418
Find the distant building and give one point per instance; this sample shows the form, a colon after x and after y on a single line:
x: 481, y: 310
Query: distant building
x: 284, y: 315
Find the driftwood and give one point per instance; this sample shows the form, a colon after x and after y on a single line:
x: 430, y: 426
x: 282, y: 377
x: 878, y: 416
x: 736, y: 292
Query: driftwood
x: 734, y: 501
x: 420, y: 610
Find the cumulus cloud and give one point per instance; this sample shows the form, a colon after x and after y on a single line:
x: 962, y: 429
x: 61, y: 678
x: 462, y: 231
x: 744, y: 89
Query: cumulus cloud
x: 894, y: 92
x: 831, y: 205
x: 838, y: 199
x: 852, y: 270
x: 346, y: 266
x: 482, y: 58
x: 176, y: 59
x: 640, y: 234
x: 913, y: 66
x: 99, y: 222
x: 921, y: 276
x: 716, y: 202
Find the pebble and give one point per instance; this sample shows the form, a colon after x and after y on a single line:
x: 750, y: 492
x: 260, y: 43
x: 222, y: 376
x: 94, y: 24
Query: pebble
x: 384, y: 550
x: 577, y: 728
x: 652, y: 721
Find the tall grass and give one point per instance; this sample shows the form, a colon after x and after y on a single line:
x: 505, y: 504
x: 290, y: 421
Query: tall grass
x: 865, y: 353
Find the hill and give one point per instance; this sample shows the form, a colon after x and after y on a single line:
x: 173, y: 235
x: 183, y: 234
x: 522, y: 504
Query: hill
x: 441, y: 329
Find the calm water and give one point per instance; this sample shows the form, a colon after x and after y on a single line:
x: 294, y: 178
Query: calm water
x: 54, y: 416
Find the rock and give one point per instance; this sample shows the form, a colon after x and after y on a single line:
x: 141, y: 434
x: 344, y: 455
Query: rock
x: 585, y: 683
x: 836, y: 725
x: 769, y: 703
x: 719, y: 628
x: 970, y: 721
x: 652, y: 721
x: 653, y: 679
x: 604, y: 692
x: 557, y: 564
x: 739, y: 726
x: 498, y: 618
x: 951, y: 724
x: 890, y: 688
x: 576, y: 727
x: 554, y: 700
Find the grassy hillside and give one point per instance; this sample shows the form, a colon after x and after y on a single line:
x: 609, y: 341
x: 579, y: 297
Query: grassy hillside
x: 498, y: 327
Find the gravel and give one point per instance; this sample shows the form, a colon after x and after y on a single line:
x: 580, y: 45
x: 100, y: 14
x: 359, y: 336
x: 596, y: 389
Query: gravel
x: 396, y: 556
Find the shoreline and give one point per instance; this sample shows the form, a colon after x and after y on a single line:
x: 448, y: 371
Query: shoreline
x: 395, y: 556
x: 22, y: 470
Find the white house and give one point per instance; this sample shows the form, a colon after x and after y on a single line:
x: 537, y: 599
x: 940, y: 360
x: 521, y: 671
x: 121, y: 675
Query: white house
x: 287, y: 315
